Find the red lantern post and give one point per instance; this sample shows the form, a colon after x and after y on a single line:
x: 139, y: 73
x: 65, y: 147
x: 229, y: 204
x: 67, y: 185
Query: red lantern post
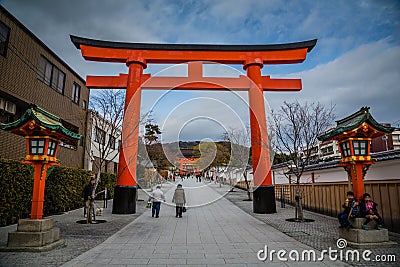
x: 354, y: 134
x: 43, y: 132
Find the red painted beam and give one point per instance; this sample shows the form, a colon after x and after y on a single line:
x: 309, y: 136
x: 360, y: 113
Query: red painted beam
x: 104, y: 54
x: 202, y: 83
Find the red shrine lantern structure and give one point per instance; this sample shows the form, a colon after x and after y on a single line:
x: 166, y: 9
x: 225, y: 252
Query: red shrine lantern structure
x: 188, y: 166
x: 354, y: 135
x: 43, y: 133
x: 137, y: 56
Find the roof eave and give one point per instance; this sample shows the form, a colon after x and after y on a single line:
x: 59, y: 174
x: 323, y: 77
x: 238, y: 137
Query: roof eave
x: 77, y: 41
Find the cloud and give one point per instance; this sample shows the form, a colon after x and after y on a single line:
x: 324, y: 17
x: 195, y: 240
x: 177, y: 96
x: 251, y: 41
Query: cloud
x: 339, y: 25
x: 355, y: 62
x: 366, y: 76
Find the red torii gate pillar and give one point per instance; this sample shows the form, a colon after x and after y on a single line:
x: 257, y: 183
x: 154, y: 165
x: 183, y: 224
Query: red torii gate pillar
x: 125, y: 191
x: 137, y: 56
x: 263, y: 194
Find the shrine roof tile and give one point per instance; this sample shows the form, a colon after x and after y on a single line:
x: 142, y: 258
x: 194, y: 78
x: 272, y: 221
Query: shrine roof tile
x: 352, y: 122
x: 43, y: 118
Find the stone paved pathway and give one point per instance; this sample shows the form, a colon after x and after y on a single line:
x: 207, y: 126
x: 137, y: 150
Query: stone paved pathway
x: 215, y: 234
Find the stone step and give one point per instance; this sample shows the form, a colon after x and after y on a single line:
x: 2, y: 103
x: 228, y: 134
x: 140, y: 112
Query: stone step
x: 358, y: 222
x: 34, y: 235
x: 33, y: 239
x: 364, y: 236
x: 29, y: 225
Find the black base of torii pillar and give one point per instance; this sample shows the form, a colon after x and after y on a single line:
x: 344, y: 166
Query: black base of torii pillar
x: 264, y: 199
x: 124, y: 200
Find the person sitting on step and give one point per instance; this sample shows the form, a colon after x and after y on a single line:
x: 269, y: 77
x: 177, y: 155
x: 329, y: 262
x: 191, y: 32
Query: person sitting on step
x: 350, y: 211
x: 370, y: 212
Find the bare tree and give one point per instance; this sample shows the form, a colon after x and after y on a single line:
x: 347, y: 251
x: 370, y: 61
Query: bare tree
x: 296, y: 128
x: 106, y: 118
x: 240, y: 153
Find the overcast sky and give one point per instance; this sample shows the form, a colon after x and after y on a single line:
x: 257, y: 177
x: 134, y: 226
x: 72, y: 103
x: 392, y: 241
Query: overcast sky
x: 355, y: 63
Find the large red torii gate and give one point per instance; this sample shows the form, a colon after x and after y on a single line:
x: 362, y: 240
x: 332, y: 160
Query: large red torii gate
x: 137, y: 55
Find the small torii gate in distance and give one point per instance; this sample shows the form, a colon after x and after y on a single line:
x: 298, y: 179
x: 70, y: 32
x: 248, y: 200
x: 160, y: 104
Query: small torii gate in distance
x: 137, y: 55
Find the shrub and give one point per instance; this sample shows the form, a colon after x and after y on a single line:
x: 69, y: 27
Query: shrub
x: 63, y: 191
x: 16, y: 182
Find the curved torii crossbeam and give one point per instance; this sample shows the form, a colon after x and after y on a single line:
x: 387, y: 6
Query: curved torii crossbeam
x: 137, y: 55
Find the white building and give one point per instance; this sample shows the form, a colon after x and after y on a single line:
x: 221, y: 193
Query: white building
x: 396, y: 138
x: 386, y: 167
x: 105, y: 142
x: 329, y: 150
x: 324, y: 151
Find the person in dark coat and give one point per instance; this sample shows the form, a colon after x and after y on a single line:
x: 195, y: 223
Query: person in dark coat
x: 179, y: 199
x: 370, y: 212
x: 349, y: 210
x: 87, y: 194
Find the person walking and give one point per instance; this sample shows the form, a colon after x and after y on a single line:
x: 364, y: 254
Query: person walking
x: 179, y: 199
x: 87, y: 194
x: 156, y: 197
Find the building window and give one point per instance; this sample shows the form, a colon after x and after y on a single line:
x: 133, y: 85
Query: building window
x: 51, y: 75
x: 84, y: 104
x: 360, y: 148
x: 45, y: 68
x: 346, y: 149
x: 111, y: 141
x: 115, y: 167
x: 76, y: 92
x: 4, y: 36
x: 57, y: 80
x: 99, y: 135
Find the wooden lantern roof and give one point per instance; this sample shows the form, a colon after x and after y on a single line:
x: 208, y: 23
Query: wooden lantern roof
x: 359, y: 124
x: 37, y: 121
